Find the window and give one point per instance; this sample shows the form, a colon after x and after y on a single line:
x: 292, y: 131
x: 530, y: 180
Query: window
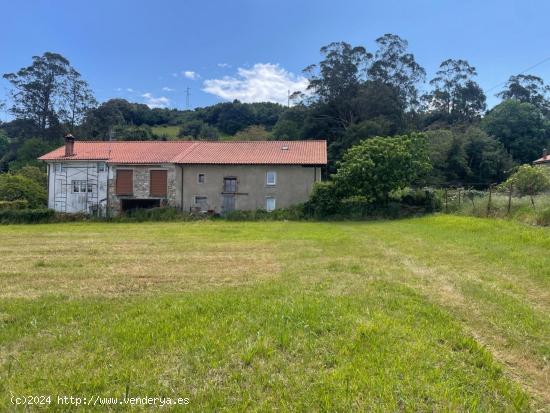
x: 200, y: 178
x: 101, y: 167
x: 158, y: 183
x: 82, y: 186
x: 229, y: 184
x: 270, y: 204
x: 271, y: 178
x: 124, y: 182
x: 202, y: 202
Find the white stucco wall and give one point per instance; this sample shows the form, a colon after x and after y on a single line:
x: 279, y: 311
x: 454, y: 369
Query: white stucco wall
x: 61, y: 194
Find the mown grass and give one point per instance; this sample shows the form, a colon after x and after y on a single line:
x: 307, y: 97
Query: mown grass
x: 443, y: 313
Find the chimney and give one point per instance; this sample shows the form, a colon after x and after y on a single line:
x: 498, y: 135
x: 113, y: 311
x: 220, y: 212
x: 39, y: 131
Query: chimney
x: 69, y: 145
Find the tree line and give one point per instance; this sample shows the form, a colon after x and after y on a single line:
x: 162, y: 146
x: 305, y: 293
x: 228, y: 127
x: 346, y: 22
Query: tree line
x: 353, y: 94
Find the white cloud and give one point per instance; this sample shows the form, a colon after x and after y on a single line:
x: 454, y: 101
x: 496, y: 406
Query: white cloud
x: 129, y: 89
x: 174, y: 74
x: 168, y: 89
x: 263, y: 82
x: 189, y: 74
x: 224, y: 65
x: 155, y: 102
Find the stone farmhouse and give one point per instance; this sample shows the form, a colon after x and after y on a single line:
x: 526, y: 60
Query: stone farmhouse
x: 108, y: 177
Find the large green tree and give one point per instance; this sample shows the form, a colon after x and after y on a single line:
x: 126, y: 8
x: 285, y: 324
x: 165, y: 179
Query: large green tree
x: 375, y: 167
x: 520, y: 127
x: 48, y: 91
x: 466, y: 156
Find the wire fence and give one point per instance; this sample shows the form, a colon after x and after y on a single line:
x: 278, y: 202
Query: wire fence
x: 493, y: 201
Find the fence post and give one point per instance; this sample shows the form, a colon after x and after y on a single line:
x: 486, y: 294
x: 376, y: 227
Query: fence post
x: 459, y: 191
x: 446, y: 202
x: 489, y: 202
x: 510, y: 199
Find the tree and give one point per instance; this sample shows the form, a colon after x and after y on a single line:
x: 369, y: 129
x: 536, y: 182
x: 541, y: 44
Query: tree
x: 101, y: 122
x: 339, y: 73
x: 466, y: 156
x: 14, y: 187
x: 520, y: 127
x: 377, y: 166
x: 529, y: 181
x: 335, y: 81
x: 197, y: 129
x: 78, y: 98
x: 29, y: 151
x: 48, y: 91
x: 38, y: 89
x: 527, y: 89
x: 395, y: 66
x: 4, y: 144
x: 35, y: 174
x: 455, y: 95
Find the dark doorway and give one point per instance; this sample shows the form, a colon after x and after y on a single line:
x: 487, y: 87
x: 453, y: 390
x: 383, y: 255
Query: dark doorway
x: 228, y: 203
x: 132, y: 204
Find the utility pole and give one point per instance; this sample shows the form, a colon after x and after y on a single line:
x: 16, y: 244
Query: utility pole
x: 288, y: 98
x: 187, y: 89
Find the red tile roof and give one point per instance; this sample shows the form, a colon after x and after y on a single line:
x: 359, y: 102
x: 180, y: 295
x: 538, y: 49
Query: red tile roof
x: 544, y: 159
x: 197, y: 152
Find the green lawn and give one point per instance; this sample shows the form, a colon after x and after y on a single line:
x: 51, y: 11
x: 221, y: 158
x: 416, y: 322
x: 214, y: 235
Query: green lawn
x: 442, y: 313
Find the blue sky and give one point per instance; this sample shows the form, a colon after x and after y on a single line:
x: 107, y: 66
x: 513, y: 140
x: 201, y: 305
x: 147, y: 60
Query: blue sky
x: 150, y: 51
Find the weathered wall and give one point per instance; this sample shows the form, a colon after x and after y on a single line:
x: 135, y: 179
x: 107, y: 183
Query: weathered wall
x: 61, y: 196
x: 294, y: 184
x: 142, y: 183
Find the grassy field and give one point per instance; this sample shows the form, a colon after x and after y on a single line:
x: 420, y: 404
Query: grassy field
x: 443, y: 313
x: 517, y: 209
x: 168, y: 131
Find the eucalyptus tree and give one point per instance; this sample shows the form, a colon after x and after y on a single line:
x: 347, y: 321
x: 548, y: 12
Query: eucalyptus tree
x: 527, y: 89
x: 455, y: 95
x: 394, y: 65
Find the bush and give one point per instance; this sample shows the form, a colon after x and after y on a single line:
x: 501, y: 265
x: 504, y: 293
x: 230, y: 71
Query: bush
x: 26, y: 216
x: 17, y: 204
x: 294, y: 213
x: 355, y: 207
x: 324, y: 200
x: 427, y: 199
x: 16, y: 187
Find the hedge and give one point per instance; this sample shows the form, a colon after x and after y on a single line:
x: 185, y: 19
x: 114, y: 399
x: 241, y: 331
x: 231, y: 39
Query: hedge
x: 26, y: 216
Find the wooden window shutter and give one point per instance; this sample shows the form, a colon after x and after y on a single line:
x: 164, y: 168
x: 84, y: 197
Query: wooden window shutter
x: 124, y: 182
x: 158, y: 183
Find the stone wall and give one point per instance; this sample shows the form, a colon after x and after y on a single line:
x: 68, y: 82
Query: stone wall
x: 141, y: 185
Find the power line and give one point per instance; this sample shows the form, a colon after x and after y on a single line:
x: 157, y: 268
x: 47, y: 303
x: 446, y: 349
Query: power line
x: 521, y: 73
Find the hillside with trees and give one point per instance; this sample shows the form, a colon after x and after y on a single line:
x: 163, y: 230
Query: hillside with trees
x: 353, y: 95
